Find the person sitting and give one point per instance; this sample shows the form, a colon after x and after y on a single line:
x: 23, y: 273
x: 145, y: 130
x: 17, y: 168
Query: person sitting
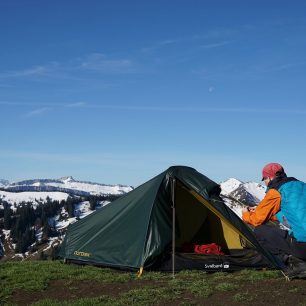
x: 285, y: 205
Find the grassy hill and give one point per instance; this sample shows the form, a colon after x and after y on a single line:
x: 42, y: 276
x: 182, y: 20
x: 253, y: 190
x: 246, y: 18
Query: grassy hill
x: 54, y: 283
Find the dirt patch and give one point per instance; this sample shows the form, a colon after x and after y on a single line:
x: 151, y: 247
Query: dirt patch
x: 63, y: 290
x: 265, y: 292
x: 261, y: 293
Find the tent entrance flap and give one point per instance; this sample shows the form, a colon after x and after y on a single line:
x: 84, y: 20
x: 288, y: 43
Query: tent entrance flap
x: 198, y: 224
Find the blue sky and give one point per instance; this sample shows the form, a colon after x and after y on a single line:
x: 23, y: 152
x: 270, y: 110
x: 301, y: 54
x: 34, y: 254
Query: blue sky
x: 118, y: 91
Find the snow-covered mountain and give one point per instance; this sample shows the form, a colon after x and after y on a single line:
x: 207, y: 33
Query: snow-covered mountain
x: 4, y: 183
x: 66, y: 185
x: 238, y: 195
x: 236, y: 191
x: 230, y: 185
x: 17, y: 198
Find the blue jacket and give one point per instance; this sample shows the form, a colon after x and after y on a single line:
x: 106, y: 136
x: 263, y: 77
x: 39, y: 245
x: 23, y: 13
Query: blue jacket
x: 293, y: 206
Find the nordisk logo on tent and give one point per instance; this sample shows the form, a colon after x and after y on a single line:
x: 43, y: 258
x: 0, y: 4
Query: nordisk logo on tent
x: 217, y: 266
x: 83, y: 254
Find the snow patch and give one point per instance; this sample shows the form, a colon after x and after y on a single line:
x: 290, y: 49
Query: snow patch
x: 4, y: 183
x: 67, y: 183
x: 230, y: 185
x: 235, y: 193
x: 257, y: 190
x: 34, y: 197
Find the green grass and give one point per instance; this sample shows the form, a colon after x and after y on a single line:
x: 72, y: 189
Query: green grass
x: 243, y: 297
x: 154, y: 287
x: 36, y: 275
x: 253, y: 275
x: 226, y: 286
x: 141, y: 297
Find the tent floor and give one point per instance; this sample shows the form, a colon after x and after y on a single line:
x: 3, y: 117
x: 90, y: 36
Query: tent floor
x: 236, y: 260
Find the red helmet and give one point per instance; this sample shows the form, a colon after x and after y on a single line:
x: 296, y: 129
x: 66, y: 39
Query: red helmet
x: 270, y: 170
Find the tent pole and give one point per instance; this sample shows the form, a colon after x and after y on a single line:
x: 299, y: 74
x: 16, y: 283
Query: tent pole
x: 173, y: 226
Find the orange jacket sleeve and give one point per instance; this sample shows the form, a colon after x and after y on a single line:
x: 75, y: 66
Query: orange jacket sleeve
x: 265, y: 210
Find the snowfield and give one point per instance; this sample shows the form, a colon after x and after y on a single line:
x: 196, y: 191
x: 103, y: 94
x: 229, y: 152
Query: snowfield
x: 94, y: 189
x: 255, y: 189
x: 229, y: 185
x: 232, y: 187
x: 34, y: 197
x: 67, y: 183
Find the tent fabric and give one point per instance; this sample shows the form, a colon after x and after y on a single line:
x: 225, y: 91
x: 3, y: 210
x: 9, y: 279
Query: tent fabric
x: 135, y: 230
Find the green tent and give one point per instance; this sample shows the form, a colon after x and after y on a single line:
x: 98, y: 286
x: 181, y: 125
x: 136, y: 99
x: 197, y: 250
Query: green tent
x: 149, y: 228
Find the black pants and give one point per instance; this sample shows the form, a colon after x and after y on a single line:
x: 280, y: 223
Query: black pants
x: 279, y: 242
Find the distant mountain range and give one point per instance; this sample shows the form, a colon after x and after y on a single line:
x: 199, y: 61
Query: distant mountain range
x: 235, y: 193
x: 66, y: 185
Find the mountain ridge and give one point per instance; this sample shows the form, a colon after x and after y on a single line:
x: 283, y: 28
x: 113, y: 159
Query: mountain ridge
x: 65, y: 184
x: 238, y: 195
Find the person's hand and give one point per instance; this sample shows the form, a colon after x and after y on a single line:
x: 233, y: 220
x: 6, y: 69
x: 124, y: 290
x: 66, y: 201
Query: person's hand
x: 244, y: 210
x: 249, y: 209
